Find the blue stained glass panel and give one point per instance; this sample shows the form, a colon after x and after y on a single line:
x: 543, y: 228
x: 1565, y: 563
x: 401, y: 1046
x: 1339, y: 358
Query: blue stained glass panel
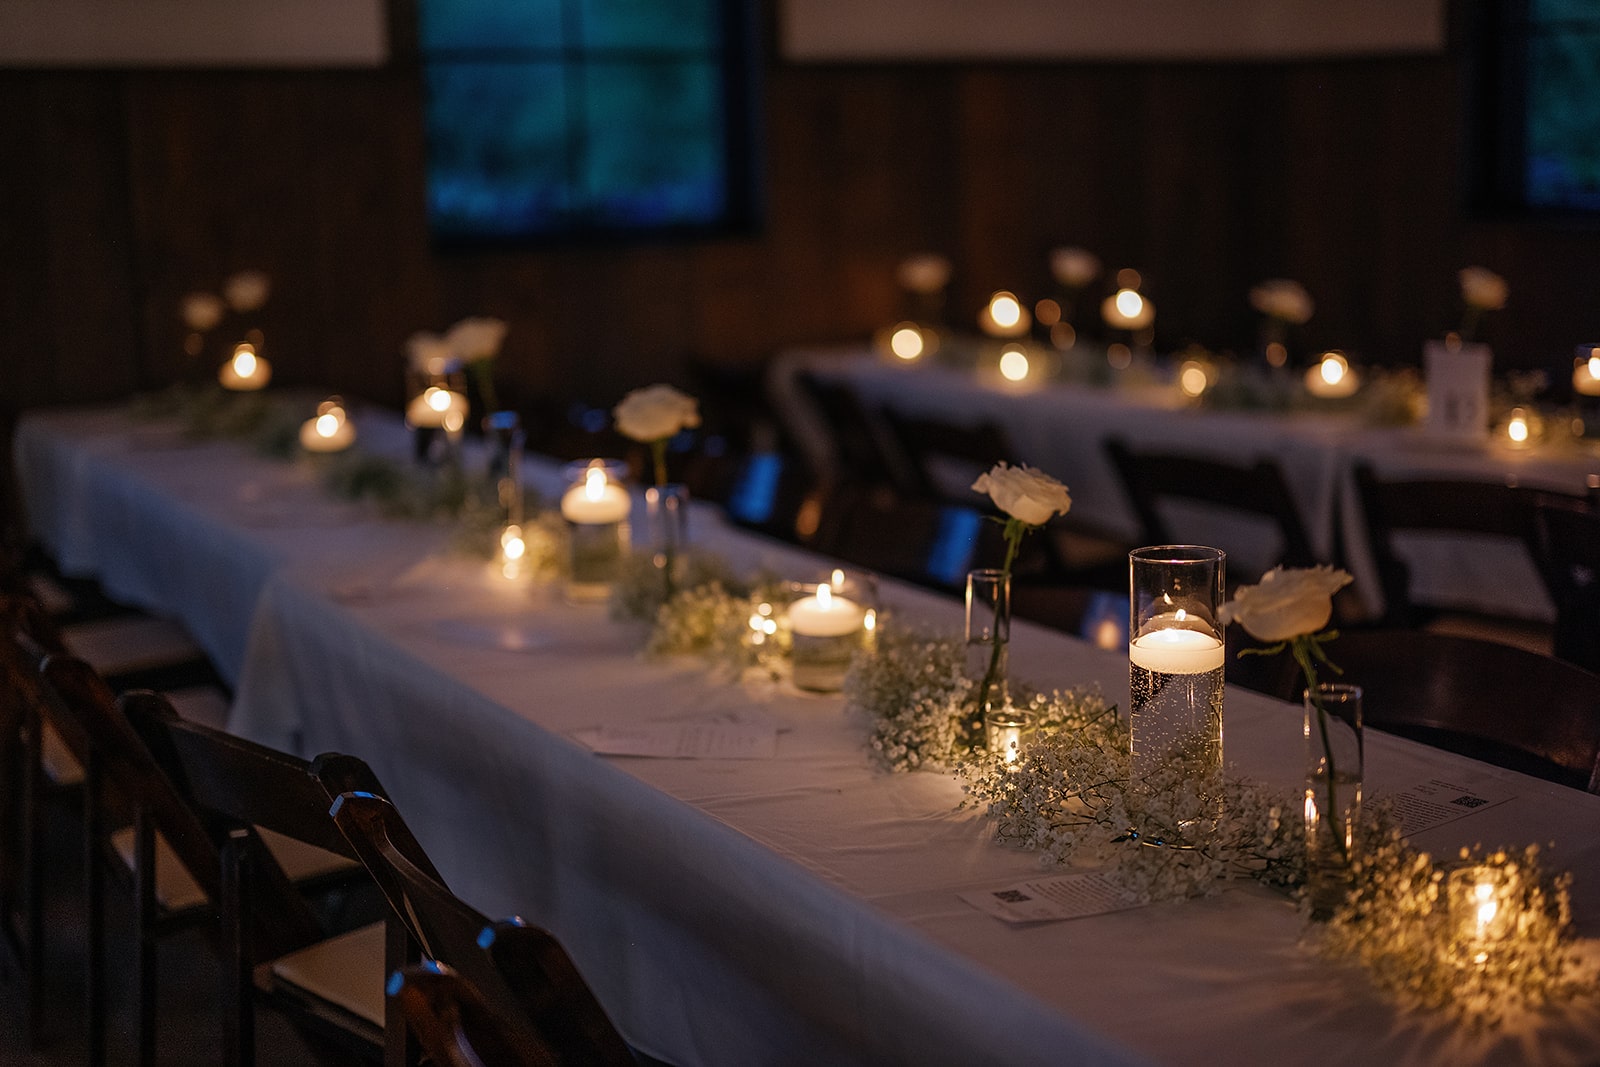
x: 651, y: 24
x: 497, y: 147
x: 447, y: 25
x: 1563, y: 104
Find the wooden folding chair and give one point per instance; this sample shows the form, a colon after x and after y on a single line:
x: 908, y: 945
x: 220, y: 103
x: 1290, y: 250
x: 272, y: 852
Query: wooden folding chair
x: 1567, y: 549
x: 456, y: 1027
x: 1151, y: 478
x: 1502, y: 705
x: 243, y: 891
x: 522, y: 972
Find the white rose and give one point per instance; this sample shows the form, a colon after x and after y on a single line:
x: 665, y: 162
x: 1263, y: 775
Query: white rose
x: 655, y: 413
x: 1025, y: 494
x: 1283, y: 299
x: 1074, y: 267
x: 927, y: 272
x: 247, y: 290
x: 1286, y: 603
x: 201, y: 311
x: 1483, y: 289
x: 475, y: 338
x: 427, y: 353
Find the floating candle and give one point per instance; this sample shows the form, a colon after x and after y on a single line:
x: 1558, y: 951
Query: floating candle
x: 1175, y: 650
x: 596, y: 500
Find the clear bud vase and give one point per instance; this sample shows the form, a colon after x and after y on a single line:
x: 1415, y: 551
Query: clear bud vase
x: 1334, y: 771
x: 667, y: 518
x: 988, y: 638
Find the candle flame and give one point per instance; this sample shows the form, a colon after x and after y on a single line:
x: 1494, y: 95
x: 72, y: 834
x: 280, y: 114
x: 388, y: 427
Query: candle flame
x: 836, y: 579
x: 906, y: 342
x: 511, y: 542
x: 1180, y: 616
x: 824, y: 597
x: 1014, y: 364
x: 1334, y: 367
x: 594, y: 483
x: 1192, y: 379
x: 869, y: 621
x: 1129, y: 303
x: 436, y: 398
x: 1517, y: 429
x: 1594, y: 362
x: 328, y: 425
x: 244, y: 361
x: 1005, y: 310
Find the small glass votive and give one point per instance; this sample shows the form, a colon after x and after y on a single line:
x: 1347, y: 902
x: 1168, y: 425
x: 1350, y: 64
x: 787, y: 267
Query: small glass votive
x: 596, y: 507
x: 1007, y: 730
x: 826, y: 630
x: 1483, y: 911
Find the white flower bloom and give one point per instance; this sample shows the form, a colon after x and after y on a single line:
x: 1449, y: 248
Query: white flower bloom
x: 428, y: 353
x: 247, y: 290
x: 1074, y: 267
x: 1283, y: 299
x: 655, y: 413
x: 926, y: 272
x: 1027, y: 495
x: 475, y: 339
x: 1483, y: 289
x: 1286, y: 603
x: 201, y: 311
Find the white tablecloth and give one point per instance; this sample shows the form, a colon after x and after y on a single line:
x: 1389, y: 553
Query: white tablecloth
x: 800, y: 910
x: 1061, y: 428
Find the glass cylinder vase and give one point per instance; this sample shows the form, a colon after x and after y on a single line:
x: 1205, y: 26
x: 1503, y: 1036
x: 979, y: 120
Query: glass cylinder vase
x: 988, y: 640
x: 1175, y: 661
x: 596, y: 507
x: 667, y: 524
x: 1335, y: 766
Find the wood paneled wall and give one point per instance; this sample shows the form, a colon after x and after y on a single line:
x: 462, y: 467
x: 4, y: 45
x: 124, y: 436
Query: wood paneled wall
x: 119, y: 191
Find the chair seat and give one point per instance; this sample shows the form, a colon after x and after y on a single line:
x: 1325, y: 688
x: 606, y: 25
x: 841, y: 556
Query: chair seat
x: 177, y: 891
x: 346, y: 971
x: 56, y: 760
x: 126, y: 644
x: 204, y: 704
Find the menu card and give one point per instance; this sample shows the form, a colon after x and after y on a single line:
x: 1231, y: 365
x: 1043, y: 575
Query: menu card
x: 691, y: 740
x: 1436, y: 802
x: 1062, y: 896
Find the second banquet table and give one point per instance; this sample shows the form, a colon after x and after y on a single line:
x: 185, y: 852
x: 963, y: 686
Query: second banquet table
x: 800, y: 909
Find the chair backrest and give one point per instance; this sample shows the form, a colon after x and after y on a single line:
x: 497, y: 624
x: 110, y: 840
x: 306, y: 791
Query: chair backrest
x: 946, y: 456
x: 1567, y: 548
x: 1483, y: 699
x: 457, y: 1028
x: 1392, y: 507
x: 278, y: 921
x: 862, y: 448
x: 1149, y: 478
x: 518, y: 969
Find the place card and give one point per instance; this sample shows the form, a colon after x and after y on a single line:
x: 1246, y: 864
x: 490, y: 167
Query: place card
x: 671, y: 740
x: 1065, y: 896
x: 1436, y: 802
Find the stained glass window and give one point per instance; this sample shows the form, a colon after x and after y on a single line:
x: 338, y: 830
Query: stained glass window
x: 580, y: 117
x: 1562, y: 154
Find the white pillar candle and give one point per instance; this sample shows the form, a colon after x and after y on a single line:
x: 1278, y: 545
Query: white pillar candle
x: 1586, y: 374
x: 246, y: 371
x: 596, y: 500
x: 436, y: 407
x: 1332, y: 378
x: 826, y: 631
x: 330, y: 431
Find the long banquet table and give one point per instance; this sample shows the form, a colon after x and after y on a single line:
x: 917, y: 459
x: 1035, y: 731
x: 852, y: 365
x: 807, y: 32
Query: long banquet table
x: 1061, y: 427
x: 795, y: 910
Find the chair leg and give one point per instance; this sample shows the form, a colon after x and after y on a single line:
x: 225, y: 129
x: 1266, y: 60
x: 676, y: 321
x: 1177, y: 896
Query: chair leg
x: 30, y: 858
x: 94, y: 904
x: 238, y: 994
x: 399, y: 950
x: 146, y: 963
